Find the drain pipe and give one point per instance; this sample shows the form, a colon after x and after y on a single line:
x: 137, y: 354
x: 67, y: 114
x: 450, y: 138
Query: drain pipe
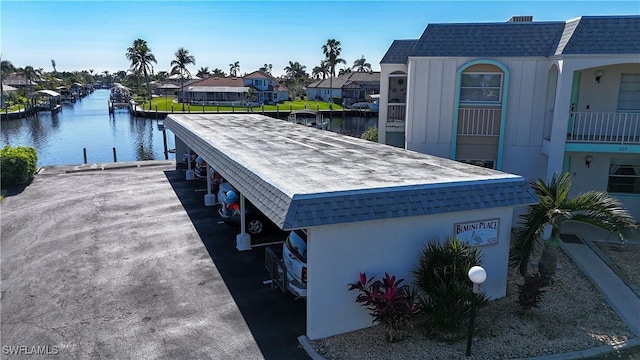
x: 190, y: 174
x: 243, y: 240
x: 209, y: 198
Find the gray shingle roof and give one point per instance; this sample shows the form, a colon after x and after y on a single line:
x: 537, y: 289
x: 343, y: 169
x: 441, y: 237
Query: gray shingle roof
x: 301, y: 177
x: 490, y: 39
x: 584, y: 35
x: 604, y: 35
x: 398, y: 52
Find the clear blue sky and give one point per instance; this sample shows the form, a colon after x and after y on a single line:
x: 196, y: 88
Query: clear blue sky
x: 95, y: 34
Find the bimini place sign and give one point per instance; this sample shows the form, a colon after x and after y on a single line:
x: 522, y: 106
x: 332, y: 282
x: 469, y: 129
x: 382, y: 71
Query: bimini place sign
x: 479, y: 232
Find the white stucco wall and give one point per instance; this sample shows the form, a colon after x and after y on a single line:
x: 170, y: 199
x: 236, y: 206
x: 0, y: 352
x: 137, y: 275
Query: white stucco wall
x: 596, y: 177
x: 337, y: 254
x: 602, y: 96
x: 430, y: 109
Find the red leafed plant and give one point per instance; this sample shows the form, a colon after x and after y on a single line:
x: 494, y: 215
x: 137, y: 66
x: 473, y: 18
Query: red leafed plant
x: 389, y: 303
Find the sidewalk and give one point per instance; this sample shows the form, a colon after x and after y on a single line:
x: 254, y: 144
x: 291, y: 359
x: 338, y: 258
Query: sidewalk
x: 618, y: 294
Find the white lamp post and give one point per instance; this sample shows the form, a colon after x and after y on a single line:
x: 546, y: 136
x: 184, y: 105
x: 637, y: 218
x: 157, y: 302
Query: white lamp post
x: 477, y: 275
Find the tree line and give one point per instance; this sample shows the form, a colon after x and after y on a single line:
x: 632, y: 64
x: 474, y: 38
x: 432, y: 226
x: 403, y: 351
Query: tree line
x: 142, y: 61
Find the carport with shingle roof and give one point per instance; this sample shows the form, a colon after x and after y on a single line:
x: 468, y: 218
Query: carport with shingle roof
x: 367, y: 207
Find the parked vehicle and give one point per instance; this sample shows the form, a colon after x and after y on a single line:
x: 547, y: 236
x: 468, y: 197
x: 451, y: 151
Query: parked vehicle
x: 256, y: 223
x: 294, y: 256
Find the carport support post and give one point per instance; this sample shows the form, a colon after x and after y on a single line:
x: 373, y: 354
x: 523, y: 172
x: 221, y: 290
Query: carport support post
x: 209, y: 198
x: 190, y: 174
x: 243, y: 240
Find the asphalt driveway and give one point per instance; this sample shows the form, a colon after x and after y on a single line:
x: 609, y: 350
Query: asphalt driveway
x: 128, y: 263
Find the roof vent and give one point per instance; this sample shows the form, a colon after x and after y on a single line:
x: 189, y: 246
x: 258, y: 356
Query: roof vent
x: 519, y: 19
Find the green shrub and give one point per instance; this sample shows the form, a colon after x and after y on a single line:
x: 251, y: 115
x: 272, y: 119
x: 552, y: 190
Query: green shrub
x: 370, y: 134
x: 17, y: 165
x: 441, y: 277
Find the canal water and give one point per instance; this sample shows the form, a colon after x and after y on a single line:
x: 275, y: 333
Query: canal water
x: 60, y: 138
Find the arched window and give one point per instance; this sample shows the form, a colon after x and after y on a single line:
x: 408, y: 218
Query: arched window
x: 480, y: 113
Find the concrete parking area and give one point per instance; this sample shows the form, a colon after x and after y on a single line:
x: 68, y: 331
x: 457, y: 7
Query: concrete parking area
x: 128, y: 263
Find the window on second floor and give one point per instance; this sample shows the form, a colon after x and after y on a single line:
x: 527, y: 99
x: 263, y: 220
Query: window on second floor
x: 481, y: 88
x: 397, y: 89
x: 624, y: 176
x: 629, y: 93
x: 259, y: 82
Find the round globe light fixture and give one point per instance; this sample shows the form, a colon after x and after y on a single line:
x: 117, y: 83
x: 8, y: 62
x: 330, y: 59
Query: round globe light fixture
x: 477, y: 274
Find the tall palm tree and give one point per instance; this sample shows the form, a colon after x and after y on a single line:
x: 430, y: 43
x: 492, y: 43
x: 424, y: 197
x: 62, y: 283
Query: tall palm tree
x: 234, y: 68
x: 332, y: 50
x: 556, y: 208
x: 6, y: 68
x: 321, y: 70
x: 361, y: 65
x: 203, y: 72
x: 30, y: 75
x: 179, y: 65
x: 141, y: 58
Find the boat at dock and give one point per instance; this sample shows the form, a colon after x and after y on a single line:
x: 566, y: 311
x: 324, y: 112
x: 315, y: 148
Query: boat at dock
x: 119, y: 97
x: 47, y: 100
x: 308, y: 118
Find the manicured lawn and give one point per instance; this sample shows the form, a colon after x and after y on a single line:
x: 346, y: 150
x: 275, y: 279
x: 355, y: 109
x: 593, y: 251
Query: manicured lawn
x: 165, y: 103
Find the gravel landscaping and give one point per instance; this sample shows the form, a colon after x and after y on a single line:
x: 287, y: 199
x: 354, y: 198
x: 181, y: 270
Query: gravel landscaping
x: 572, y: 316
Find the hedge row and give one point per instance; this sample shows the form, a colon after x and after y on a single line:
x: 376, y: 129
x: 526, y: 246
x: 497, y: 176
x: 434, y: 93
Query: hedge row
x: 17, y: 165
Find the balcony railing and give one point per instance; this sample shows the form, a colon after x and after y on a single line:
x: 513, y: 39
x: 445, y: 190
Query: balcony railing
x: 396, y: 112
x: 616, y: 128
x: 479, y: 122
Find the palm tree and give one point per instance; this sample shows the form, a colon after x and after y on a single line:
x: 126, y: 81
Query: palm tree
x: 53, y: 64
x: 179, y: 65
x: 6, y: 68
x: 141, y: 58
x: 30, y: 75
x: 234, y: 68
x: 332, y: 52
x: 361, y: 65
x: 322, y: 70
x: 161, y: 75
x: 218, y: 72
x: 344, y: 71
x: 267, y: 68
x: 294, y: 74
x: 203, y: 72
x: 556, y: 208
x: 252, y: 95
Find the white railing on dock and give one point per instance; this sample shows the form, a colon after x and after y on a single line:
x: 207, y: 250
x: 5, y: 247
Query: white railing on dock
x: 396, y: 112
x: 619, y: 128
x: 479, y: 122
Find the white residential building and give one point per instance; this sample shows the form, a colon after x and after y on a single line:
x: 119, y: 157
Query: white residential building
x: 529, y: 98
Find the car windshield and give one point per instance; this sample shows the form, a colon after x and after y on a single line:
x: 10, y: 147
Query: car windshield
x: 297, y: 244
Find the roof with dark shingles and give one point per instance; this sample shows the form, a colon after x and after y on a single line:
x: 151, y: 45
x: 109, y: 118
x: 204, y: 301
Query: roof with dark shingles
x: 300, y: 176
x: 583, y: 35
x: 492, y: 39
x: 605, y: 35
x: 399, y: 52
